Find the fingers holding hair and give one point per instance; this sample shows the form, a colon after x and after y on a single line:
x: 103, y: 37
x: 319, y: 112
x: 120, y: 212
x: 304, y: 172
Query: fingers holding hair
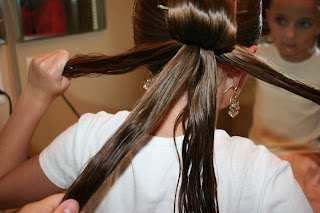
x: 52, y: 204
x: 68, y: 206
x: 45, y: 74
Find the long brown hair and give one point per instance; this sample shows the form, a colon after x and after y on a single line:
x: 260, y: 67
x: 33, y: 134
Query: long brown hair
x: 181, y: 46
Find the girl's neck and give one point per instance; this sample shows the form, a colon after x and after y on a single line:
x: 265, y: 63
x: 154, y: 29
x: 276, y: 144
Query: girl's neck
x: 165, y: 129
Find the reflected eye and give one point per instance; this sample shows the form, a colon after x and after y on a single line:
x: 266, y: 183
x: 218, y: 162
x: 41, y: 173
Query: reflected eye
x: 280, y: 21
x: 305, y: 24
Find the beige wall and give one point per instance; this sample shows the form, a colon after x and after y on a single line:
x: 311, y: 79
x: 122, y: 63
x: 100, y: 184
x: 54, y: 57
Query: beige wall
x: 110, y: 93
x: 7, y: 83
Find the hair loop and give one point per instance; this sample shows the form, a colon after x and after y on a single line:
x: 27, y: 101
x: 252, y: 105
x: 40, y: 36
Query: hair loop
x: 208, y: 25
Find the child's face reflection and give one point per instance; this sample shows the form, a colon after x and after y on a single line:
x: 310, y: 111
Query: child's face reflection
x: 294, y: 26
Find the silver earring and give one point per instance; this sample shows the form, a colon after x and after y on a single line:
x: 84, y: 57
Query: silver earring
x: 147, y: 83
x: 234, y: 107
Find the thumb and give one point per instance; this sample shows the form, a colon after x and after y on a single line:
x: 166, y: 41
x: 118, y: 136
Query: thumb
x: 65, y: 84
x: 68, y: 206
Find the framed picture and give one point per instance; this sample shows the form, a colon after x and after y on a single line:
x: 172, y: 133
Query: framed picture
x: 2, y: 27
x: 51, y: 18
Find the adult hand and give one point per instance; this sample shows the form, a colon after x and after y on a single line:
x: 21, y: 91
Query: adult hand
x: 51, y: 205
x: 45, y: 80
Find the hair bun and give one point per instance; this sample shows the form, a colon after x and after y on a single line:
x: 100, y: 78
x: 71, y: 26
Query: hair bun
x: 208, y: 24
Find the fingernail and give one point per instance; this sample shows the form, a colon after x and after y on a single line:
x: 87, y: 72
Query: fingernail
x: 68, y: 211
x: 70, y: 206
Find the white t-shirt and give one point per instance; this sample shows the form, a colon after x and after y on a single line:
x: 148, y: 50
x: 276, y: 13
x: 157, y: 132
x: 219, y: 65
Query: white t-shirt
x: 282, y: 121
x: 249, y: 177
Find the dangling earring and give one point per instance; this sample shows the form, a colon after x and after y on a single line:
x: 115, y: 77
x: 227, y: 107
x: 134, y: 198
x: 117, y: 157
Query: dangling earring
x: 147, y: 84
x: 148, y: 81
x: 234, y: 107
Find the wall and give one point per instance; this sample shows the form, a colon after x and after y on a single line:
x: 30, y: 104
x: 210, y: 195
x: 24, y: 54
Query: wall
x: 7, y: 84
x: 110, y: 93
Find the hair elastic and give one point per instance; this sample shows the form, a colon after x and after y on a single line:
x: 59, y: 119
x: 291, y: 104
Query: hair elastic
x: 162, y: 7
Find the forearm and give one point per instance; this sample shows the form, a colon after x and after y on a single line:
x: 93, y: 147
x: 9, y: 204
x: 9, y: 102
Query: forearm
x: 16, y: 136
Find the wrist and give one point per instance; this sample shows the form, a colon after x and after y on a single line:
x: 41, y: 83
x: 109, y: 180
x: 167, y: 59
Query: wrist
x: 36, y: 97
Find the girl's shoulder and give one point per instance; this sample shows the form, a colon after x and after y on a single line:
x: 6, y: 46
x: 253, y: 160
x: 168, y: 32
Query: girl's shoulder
x: 249, y: 175
x: 103, y: 117
x: 62, y: 160
x: 242, y: 154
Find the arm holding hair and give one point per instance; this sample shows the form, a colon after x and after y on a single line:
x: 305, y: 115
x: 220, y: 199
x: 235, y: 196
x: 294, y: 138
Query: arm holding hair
x: 17, y: 174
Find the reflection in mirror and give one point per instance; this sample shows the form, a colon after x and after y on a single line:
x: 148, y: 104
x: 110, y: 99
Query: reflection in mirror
x: 2, y: 27
x: 51, y: 18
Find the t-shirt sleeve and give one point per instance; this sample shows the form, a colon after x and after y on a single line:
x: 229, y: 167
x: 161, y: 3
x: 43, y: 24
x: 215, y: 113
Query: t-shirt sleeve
x: 63, y: 160
x: 273, y: 181
x: 58, y: 161
x: 283, y: 193
x: 252, y: 178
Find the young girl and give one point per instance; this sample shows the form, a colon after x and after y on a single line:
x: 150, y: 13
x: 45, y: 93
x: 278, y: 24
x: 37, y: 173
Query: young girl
x: 286, y: 124
x: 165, y: 155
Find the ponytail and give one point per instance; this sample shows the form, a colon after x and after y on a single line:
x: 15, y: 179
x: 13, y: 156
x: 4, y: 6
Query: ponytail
x: 187, y: 69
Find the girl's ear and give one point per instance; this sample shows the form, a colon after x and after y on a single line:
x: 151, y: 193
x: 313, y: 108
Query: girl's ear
x: 238, y: 78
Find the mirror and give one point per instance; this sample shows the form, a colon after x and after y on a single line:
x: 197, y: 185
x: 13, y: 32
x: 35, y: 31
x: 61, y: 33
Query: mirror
x: 51, y: 18
x: 2, y: 27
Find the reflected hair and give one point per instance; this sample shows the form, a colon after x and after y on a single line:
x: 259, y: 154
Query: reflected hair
x: 182, y: 47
